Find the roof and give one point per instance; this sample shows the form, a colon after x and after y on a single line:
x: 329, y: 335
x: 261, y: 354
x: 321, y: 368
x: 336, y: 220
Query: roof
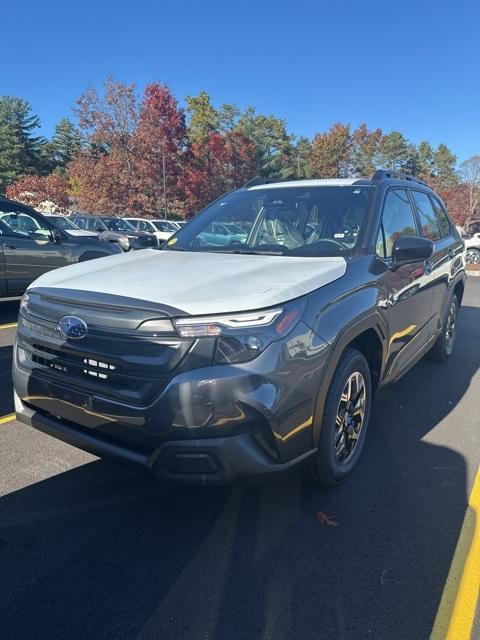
x: 333, y: 182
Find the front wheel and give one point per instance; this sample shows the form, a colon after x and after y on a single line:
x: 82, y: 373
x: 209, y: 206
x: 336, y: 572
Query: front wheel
x: 345, y: 420
x: 473, y: 256
x: 443, y: 347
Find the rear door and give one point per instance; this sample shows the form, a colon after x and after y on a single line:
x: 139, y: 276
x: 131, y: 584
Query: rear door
x: 408, y: 294
x: 435, y: 225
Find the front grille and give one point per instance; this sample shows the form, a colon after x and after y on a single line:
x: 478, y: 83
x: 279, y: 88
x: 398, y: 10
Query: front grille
x: 39, y: 329
x: 148, y: 241
x: 107, y: 363
x: 192, y: 463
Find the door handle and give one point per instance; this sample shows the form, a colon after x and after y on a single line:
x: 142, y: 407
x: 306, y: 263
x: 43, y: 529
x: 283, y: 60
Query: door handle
x: 9, y: 246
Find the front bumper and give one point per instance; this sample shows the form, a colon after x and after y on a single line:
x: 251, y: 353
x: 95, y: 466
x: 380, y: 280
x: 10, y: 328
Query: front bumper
x: 208, y: 425
x: 208, y: 461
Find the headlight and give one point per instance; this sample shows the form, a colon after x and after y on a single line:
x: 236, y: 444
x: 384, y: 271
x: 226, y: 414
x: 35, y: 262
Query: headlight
x: 24, y: 302
x: 242, y: 337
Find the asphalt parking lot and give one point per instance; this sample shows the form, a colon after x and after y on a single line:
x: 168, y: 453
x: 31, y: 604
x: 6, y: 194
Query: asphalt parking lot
x: 89, y: 550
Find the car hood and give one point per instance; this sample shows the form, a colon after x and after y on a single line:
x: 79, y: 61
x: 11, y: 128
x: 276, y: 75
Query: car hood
x: 473, y: 242
x: 197, y: 283
x: 81, y: 233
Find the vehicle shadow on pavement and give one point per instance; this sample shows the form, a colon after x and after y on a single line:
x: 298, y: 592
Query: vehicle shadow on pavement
x: 9, y: 311
x: 6, y: 385
x: 99, y: 552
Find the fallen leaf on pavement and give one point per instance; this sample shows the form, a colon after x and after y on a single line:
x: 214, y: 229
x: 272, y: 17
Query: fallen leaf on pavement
x: 326, y: 520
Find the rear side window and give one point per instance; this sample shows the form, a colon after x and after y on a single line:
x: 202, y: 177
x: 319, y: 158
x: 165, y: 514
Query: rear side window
x: 442, y: 218
x: 426, y: 213
x: 397, y: 220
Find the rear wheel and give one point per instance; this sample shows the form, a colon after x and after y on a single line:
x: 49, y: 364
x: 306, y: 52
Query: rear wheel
x: 443, y: 347
x: 345, y: 420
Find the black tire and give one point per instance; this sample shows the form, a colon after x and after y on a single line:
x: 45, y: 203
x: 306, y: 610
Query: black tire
x: 325, y: 468
x: 445, y: 343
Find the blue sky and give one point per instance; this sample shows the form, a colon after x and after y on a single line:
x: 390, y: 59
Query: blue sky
x: 411, y: 66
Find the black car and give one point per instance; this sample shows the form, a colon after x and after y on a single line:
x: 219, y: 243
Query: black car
x: 32, y: 244
x: 249, y: 359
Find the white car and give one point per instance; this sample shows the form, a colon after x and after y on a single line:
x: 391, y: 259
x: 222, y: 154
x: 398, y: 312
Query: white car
x: 472, y: 246
x: 161, y: 229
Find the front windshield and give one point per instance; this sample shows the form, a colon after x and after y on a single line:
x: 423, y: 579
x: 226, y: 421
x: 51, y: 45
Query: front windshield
x: 165, y: 225
x: 299, y: 221
x: 117, y: 224
x: 63, y: 223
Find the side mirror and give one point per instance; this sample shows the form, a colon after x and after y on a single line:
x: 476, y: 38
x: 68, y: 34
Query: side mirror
x: 409, y: 249
x: 40, y: 235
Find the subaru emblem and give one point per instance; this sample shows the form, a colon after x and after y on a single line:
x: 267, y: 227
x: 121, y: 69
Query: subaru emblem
x: 72, y: 327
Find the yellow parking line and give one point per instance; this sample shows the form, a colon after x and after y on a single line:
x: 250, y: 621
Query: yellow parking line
x: 458, y: 605
x: 8, y: 326
x: 8, y: 418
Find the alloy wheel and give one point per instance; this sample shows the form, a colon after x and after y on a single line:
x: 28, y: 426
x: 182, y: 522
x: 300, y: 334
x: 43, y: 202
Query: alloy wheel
x: 350, y: 417
x: 450, y: 328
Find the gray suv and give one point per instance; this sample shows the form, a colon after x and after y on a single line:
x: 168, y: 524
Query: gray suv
x: 32, y: 244
x: 244, y: 361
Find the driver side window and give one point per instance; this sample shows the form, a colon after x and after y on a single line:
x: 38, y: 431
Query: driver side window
x: 397, y: 220
x: 24, y: 225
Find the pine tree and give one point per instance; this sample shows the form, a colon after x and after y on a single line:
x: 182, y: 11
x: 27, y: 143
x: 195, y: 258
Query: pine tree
x: 20, y: 149
x: 64, y: 145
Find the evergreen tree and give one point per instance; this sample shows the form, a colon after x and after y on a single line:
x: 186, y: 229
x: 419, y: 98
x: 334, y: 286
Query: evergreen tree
x: 444, y: 162
x: 64, y: 145
x: 20, y: 149
x: 203, y: 118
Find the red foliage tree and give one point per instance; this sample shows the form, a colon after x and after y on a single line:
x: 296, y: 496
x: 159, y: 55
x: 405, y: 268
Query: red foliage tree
x: 35, y: 190
x: 225, y: 162
x: 160, y: 142
x: 121, y: 172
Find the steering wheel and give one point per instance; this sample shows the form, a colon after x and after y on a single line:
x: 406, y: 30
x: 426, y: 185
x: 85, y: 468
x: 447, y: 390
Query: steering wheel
x: 330, y: 241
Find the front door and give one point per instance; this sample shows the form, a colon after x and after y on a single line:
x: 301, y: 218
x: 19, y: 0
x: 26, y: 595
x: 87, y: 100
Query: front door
x: 408, y: 294
x: 29, y: 248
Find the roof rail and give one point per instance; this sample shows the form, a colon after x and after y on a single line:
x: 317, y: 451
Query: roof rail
x: 384, y: 174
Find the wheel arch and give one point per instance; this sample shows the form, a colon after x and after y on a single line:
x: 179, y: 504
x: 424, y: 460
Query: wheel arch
x: 369, y: 336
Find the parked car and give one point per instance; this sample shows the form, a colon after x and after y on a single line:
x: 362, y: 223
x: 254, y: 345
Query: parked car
x: 221, y: 234
x: 161, y: 229
x: 137, y: 239
x: 31, y: 244
x: 472, y: 246
x: 65, y: 223
x: 95, y: 224
x: 247, y: 360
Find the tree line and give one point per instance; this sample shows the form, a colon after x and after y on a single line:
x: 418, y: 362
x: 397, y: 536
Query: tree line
x: 145, y: 155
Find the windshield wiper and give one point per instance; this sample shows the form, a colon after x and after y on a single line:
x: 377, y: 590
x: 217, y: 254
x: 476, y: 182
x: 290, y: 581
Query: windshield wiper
x: 258, y: 252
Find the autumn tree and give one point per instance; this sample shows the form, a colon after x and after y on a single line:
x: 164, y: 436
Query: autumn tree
x: 330, y: 154
x: 35, y: 190
x: 222, y: 163
x: 160, y: 142
x: 104, y: 171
